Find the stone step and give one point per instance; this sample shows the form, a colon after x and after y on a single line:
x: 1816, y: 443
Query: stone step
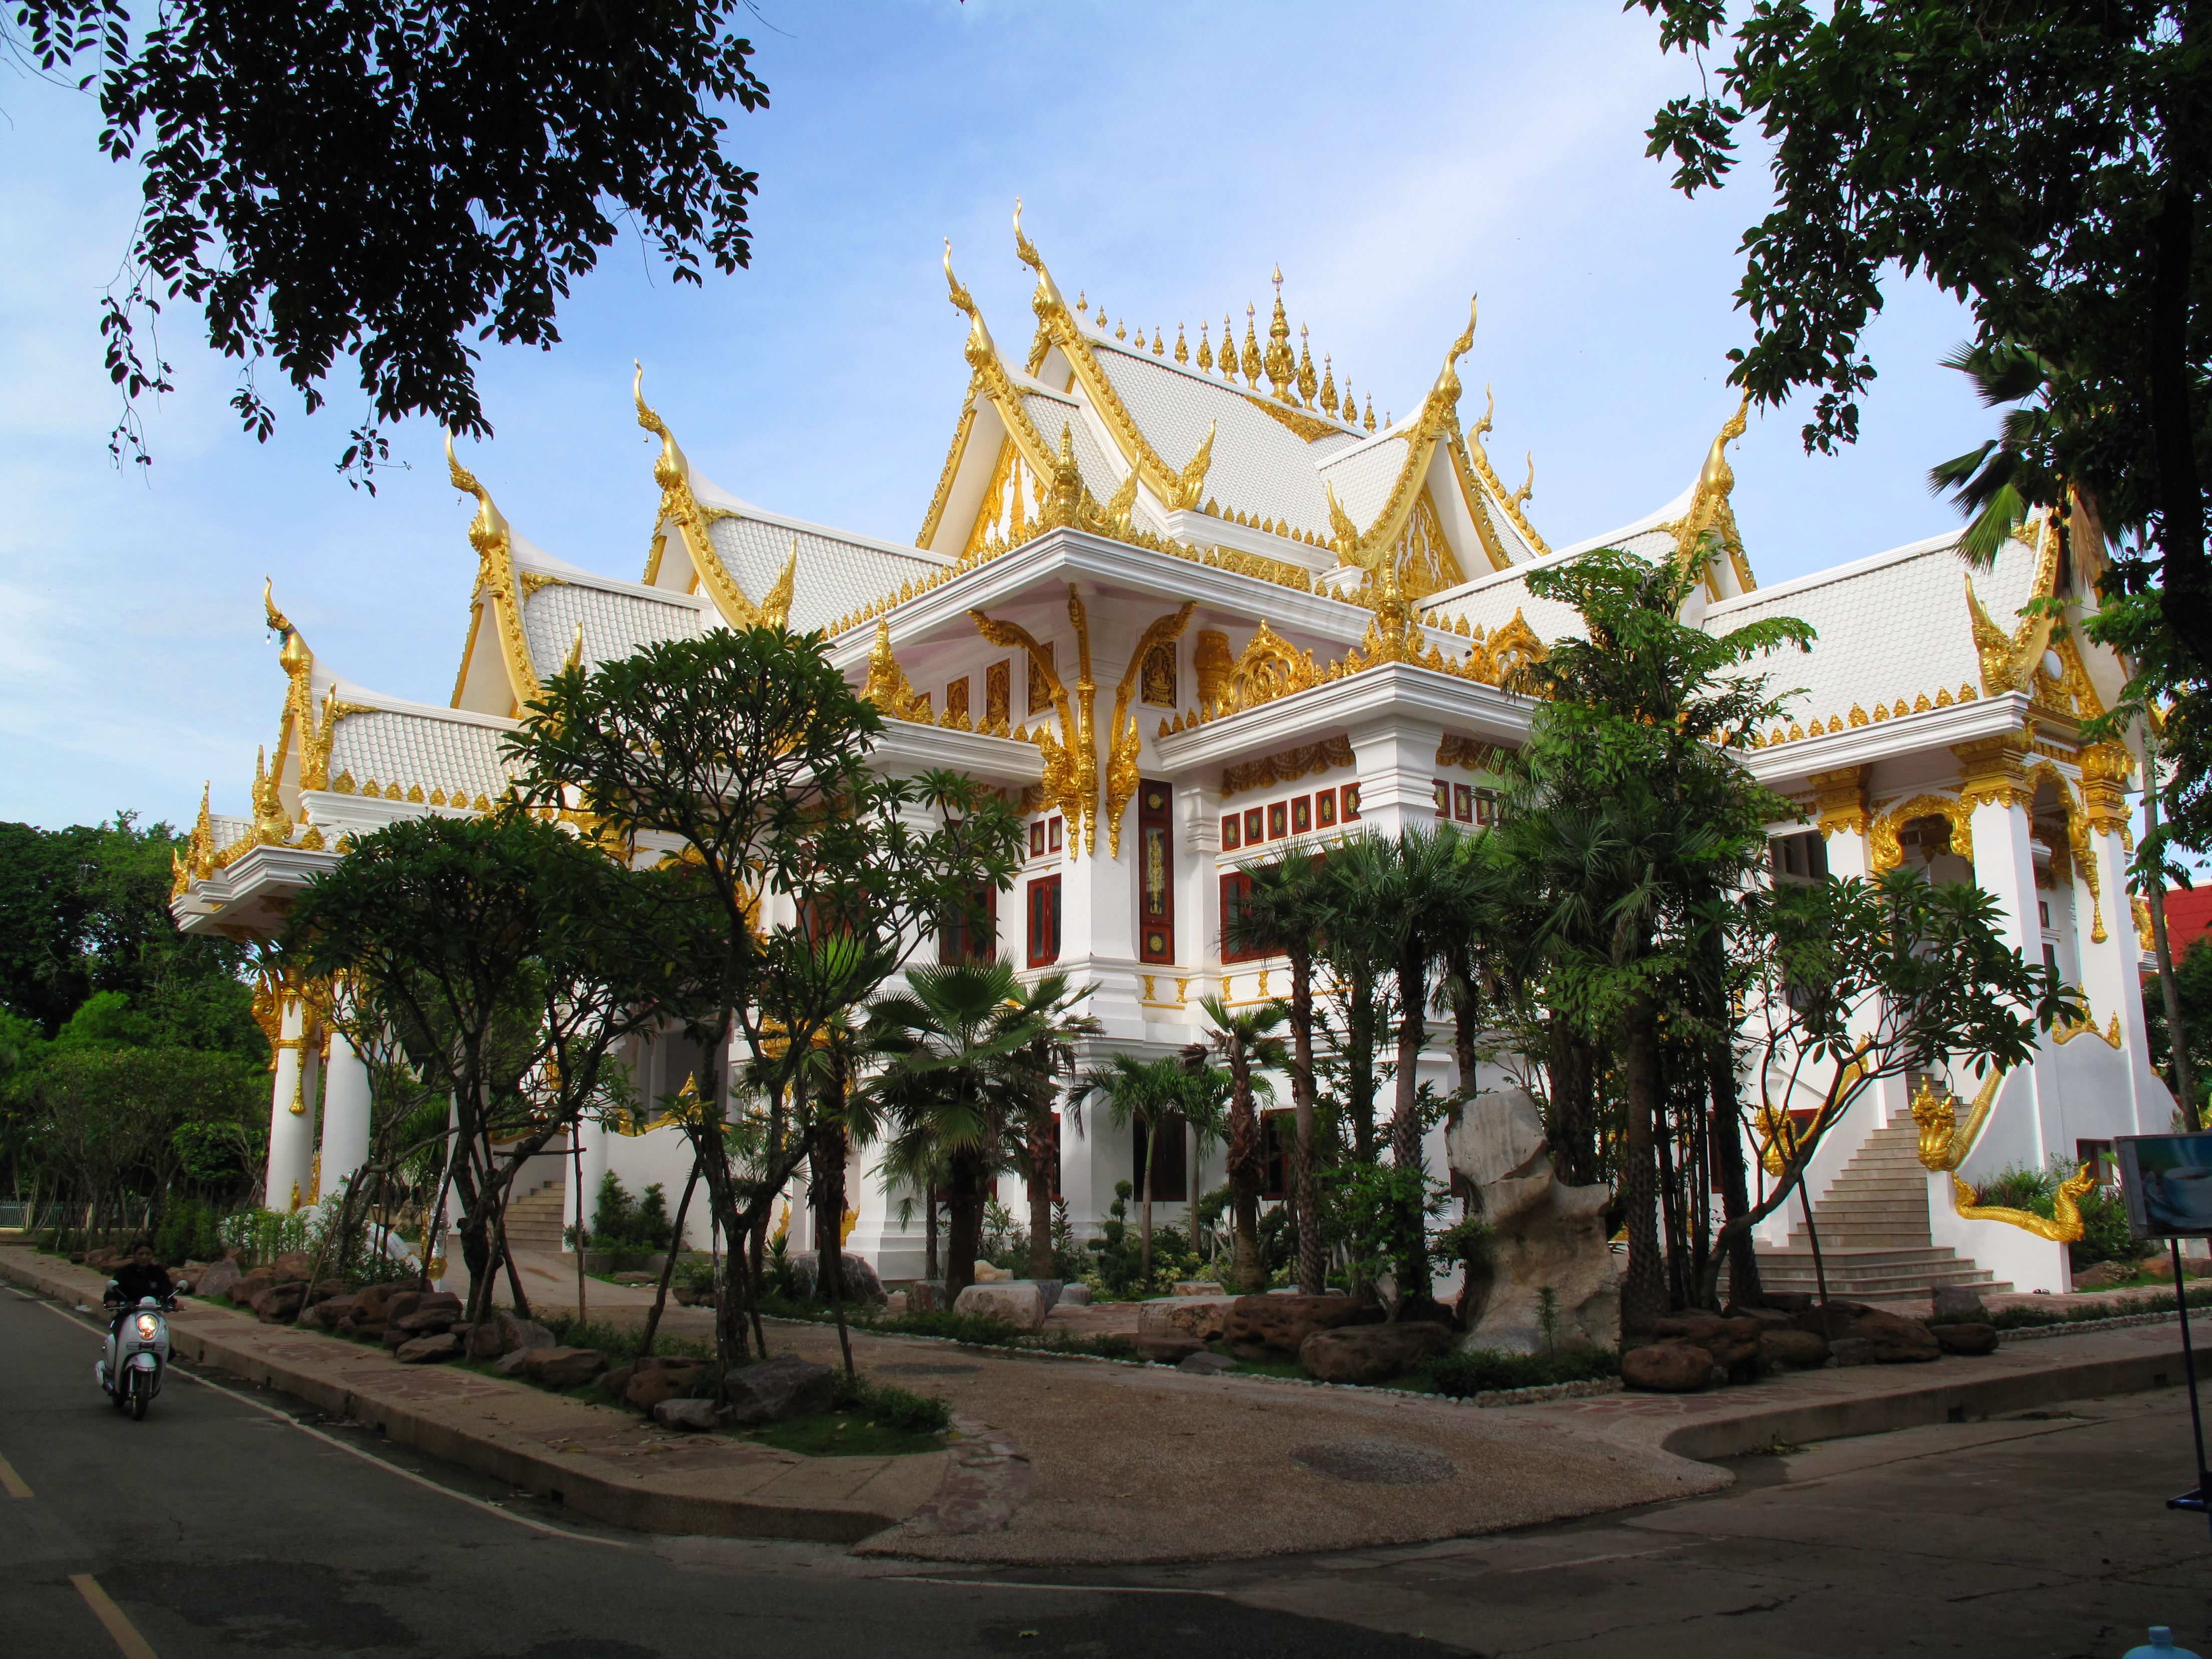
x: 535, y: 1221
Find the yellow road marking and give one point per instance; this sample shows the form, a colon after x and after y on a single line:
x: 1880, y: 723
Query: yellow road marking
x: 10, y: 1482
x: 104, y: 1609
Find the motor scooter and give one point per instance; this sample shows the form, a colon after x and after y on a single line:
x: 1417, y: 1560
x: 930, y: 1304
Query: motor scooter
x: 137, y: 1354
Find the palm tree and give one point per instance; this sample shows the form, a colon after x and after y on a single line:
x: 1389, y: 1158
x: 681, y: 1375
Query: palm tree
x: 1153, y: 1096
x: 1049, y: 1004
x: 1248, y: 1042
x: 958, y: 1081
x: 1283, y: 914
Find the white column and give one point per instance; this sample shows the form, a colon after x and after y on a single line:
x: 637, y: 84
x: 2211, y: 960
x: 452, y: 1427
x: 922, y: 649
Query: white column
x: 346, y: 1113
x: 291, y: 1130
x: 1198, y: 894
x: 1397, y: 762
x: 2004, y: 868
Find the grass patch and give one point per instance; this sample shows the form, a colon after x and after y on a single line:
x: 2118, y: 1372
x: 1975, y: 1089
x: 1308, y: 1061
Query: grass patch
x: 620, y: 1343
x: 1481, y: 1371
x: 843, y: 1434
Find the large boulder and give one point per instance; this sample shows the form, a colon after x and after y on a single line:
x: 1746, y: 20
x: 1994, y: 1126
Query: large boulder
x: 1784, y: 1345
x: 1732, y: 1342
x: 500, y: 1332
x: 430, y: 1349
x: 990, y: 1273
x: 1953, y: 1301
x: 861, y: 1284
x: 329, y: 1313
x: 1203, y: 1363
x: 279, y: 1301
x: 1019, y: 1302
x: 560, y: 1368
x: 293, y: 1265
x: 1667, y: 1368
x: 775, y: 1389
x: 1206, y: 1318
x: 646, y: 1389
x: 1545, y: 1235
x: 1965, y: 1339
x: 425, y: 1321
x: 1075, y: 1295
x: 1367, y: 1354
x: 1897, y: 1340
x: 217, y: 1279
x: 1169, y: 1350
x: 926, y: 1296
x: 244, y: 1290
x: 697, y: 1415
x: 1280, y: 1324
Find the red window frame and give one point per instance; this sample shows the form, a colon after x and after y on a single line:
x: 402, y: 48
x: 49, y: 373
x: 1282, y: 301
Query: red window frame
x: 1232, y: 831
x: 1278, y: 820
x: 1301, y: 814
x: 1325, y: 809
x: 1255, y: 825
x: 1463, y: 802
x: 960, y: 939
x: 1444, y: 796
x: 1156, y: 872
x: 1044, y: 921
x: 1234, y: 885
x: 1348, y: 796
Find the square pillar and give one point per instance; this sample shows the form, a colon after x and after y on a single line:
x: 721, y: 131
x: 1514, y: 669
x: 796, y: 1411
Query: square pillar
x: 290, y: 1171
x: 345, y: 1114
x: 1397, y: 760
x: 1992, y: 785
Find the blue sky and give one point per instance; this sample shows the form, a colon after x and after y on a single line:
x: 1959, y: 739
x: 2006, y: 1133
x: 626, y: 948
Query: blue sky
x: 1392, y: 157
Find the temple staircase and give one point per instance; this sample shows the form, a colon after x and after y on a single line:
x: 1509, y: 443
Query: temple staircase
x: 534, y: 1220
x: 1873, y: 1225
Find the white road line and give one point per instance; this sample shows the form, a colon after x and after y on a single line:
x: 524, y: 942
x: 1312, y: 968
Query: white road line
x: 371, y: 1458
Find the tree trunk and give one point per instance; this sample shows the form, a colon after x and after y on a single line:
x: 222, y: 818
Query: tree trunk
x: 1038, y: 1155
x: 964, y: 1199
x: 829, y: 1184
x: 668, y: 1264
x: 1145, y: 1204
x: 1574, y: 1116
x: 2185, y: 574
x: 1312, y: 1267
x: 1359, y: 1021
x: 1644, y: 1294
x: 2177, y: 1030
x: 1244, y: 1170
x: 1724, y: 1144
x: 1413, y: 1030
x: 931, y: 1267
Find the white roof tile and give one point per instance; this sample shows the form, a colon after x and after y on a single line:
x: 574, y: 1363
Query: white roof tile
x: 434, y: 749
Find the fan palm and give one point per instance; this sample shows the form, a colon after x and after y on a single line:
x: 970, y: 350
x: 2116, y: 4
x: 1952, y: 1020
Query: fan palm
x: 1147, y: 1095
x: 1248, y: 1041
x: 960, y: 1040
x: 1284, y: 913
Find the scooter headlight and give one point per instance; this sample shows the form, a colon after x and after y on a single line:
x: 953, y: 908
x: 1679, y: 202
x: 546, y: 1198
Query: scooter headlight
x: 149, y: 1327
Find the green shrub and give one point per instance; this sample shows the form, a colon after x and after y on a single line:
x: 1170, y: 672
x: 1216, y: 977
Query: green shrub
x: 2105, y: 1236
x: 1481, y: 1371
x: 893, y: 1407
x: 190, y: 1231
x: 262, y: 1236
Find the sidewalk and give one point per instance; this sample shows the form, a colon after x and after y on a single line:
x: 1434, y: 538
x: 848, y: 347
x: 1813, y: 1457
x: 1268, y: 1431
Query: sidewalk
x: 1071, y: 1462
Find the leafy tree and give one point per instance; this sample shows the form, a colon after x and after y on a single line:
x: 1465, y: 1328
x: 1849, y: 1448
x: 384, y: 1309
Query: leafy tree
x: 505, y: 953
x: 747, y: 752
x: 2049, y: 163
x: 1157, y: 1097
x: 372, y: 179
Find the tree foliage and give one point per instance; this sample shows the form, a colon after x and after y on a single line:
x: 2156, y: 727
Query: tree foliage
x: 373, y: 180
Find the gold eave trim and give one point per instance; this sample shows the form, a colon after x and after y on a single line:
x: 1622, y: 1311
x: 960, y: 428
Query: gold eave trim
x: 953, y: 458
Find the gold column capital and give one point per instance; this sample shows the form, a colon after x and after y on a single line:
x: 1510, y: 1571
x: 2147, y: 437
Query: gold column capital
x: 1840, y: 800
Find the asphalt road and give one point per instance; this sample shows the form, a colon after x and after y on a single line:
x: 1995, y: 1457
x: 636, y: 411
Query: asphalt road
x: 235, y: 1520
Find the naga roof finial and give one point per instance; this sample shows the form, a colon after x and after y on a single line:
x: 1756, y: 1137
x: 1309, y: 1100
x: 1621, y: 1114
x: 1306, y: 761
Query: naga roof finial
x: 489, y: 528
x: 670, y: 467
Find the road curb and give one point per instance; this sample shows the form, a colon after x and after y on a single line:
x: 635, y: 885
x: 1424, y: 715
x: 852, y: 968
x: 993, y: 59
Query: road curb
x: 637, y: 1502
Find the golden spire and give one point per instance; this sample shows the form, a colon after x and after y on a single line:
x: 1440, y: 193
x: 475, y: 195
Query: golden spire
x: 1183, y: 348
x: 1205, y: 348
x: 1252, y: 364
x: 1327, y: 386
x: 1282, y: 367
x: 1306, y: 386
x: 576, y: 649
x: 1120, y: 329
x: 1370, y: 411
x: 1228, y: 348
x: 1157, y: 348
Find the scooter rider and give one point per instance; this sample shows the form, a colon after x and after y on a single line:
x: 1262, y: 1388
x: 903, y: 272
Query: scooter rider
x: 141, y: 1276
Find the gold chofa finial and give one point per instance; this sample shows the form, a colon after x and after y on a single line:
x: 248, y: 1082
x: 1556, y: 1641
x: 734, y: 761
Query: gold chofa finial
x: 489, y: 528
x: 775, y: 608
x: 277, y: 621
x: 1022, y: 245
x: 962, y: 300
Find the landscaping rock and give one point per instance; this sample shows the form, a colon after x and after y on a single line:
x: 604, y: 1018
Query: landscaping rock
x: 1203, y: 1363
x: 1075, y: 1295
x: 1733, y: 1343
x: 775, y: 1389
x: 1197, y: 1287
x: 1168, y: 1350
x: 895, y: 1302
x: 1800, y: 1350
x: 1897, y: 1340
x: 217, y: 1279
x: 986, y: 1273
x: 1765, y: 1315
x: 695, y: 1415
x: 1965, y: 1339
x: 1831, y: 1321
x: 1851, y: 1351
x: 1280, y: 1324
x: 1546, y: 1237
x: 1367, y: 1354
x: 636, y: 1279
x: 425, y: 1321
x: 279, y: 1303
x: 1019, y: 1302
x: 1788, y: 1301
x: 429, y: 1350
x: 1204, y: 1317
x: 1666, y: 1368
x: 861, y: 1284
x: 325, y: 1288
x: 560, y: 1368
x: 500, y: 1332
x: 1955, y: 1299
x: 648, y: 1388
x: 292, y: 1266
x: 397, y: 1304
x: 243, y: 1290
x: 331, y: 1312
x: 924, y: 1295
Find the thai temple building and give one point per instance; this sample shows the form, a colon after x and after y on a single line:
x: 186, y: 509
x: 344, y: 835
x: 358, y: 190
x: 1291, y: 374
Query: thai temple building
x: 1296, y: 623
